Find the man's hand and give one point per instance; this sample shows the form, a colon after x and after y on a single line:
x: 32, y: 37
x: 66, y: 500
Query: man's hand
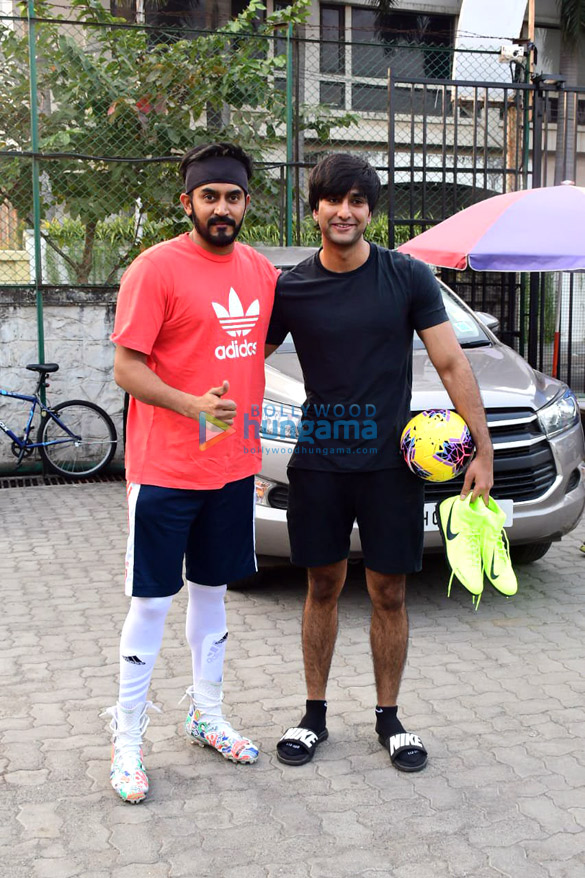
x: 136, y: 378
x: 459, y: 382
x: 479, y: 478
x: 213, y: 403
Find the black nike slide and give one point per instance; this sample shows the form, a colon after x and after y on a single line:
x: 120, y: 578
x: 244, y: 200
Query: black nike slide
x: 405, y: 743
x: 297, y: 746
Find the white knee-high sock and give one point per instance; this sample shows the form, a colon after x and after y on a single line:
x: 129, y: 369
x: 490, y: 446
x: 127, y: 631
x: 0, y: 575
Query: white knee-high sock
x: 139, y: 646
x: 206, y: 630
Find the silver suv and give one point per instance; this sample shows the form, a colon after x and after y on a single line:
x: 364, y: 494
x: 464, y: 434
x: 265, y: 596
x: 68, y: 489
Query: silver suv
x: 534, y: 421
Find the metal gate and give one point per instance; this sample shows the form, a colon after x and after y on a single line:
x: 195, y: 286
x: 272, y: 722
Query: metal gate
x: 454, y: 143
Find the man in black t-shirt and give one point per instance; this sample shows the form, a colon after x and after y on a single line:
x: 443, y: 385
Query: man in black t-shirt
x: 352, y: 309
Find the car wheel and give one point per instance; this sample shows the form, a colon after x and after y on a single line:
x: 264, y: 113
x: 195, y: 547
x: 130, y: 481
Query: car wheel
x: 528, y: 553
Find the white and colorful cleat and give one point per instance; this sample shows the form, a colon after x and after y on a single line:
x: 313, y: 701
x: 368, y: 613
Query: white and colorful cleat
x: 205, y: 725
x: 127, y: 772
x: 128, y: 776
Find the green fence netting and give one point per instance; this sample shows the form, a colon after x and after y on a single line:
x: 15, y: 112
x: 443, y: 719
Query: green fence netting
x: 117, y: 103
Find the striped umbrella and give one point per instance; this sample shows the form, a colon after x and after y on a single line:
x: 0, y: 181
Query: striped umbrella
x: 532, y: 230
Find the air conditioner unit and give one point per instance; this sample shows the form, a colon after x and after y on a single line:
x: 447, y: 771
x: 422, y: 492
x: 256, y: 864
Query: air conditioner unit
x: 511, y: 52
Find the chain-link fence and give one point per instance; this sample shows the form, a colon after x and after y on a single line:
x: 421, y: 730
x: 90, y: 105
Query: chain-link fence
x: 116, y: 104
x: 89, y: 167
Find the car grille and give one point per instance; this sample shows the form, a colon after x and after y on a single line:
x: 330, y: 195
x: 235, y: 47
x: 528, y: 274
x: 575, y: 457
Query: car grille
x: 522, y: 471
x: 524, y: 466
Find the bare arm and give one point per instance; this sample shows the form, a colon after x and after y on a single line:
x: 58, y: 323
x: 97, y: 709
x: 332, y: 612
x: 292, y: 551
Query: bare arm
x: 459, y: 381
x: 269, y: 349
x: 133, y: 375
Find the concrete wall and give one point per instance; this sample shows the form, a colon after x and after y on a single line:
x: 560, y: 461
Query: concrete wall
x: 77, y: 324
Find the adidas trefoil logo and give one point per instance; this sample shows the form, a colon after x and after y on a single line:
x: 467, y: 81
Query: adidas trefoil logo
x: 234, y: 321
x: 237, y: 324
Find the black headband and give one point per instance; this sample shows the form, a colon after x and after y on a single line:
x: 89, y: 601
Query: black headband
x: 216, y: 169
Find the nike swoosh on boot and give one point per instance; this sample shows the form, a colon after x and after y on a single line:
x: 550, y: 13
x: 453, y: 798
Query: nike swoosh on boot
x: 493, y: 574
x: 451, y: 534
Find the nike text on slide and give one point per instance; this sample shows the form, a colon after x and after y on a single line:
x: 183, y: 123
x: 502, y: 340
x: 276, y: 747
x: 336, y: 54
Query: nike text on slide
x: 306, y: 736
x: 404, y: 739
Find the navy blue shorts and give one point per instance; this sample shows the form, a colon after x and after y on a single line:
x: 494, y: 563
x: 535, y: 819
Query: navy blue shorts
x: 212, y: 530
x: 387, y: 504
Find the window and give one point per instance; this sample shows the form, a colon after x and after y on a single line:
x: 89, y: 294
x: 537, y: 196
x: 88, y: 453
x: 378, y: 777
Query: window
x: 332, y: 34
x: 124, y: 9
x: 238, y: 6
x: 175, y: 19
x: 332, y: 94
x: 280, y: 42
x: 413, y: 44
x: 257, y: 46
x: 353, y: 74
x: 369, y: 98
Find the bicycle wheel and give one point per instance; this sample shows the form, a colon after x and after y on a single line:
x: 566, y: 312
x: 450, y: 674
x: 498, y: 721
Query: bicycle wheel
x: 88, y: 450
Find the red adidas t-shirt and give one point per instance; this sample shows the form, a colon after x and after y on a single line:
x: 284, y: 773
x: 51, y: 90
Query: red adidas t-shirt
x: 200, y: 319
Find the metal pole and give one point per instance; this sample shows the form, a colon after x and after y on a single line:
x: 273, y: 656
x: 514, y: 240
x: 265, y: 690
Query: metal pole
x: 527, y: 100
x: 391, y: 166
x: 297, y: 136
x: 289, y: 137
x: 531, y: 20
x: 36, y: 193
x: 528, y: 97
x: 534, y: 288
x: 533, y: 308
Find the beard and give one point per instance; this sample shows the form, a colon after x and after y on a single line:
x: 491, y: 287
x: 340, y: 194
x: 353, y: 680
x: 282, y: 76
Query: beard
x: 223, y: 237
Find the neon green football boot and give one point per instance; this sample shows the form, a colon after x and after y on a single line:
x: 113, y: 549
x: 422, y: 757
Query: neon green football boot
x: 495, y: 551
x: 462, y: 527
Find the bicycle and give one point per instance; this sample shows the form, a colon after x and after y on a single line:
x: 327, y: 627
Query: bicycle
x: 76, y: 438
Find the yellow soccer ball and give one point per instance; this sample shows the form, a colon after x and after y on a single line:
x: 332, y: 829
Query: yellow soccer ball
x: 437, y: 445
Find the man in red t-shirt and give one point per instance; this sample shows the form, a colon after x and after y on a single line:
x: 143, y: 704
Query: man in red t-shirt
x: 190, y: 327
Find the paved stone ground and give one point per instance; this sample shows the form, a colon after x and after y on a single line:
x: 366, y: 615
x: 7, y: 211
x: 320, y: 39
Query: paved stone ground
x: 497, y: 695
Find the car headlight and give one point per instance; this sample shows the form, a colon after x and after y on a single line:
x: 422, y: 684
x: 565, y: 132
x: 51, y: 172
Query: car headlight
x: 280, y: 421
x: 263, y: 487
x: 560, y: 415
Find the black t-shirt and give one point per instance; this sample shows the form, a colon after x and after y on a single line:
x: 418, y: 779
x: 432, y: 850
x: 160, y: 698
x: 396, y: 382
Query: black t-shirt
x: 353, y: 332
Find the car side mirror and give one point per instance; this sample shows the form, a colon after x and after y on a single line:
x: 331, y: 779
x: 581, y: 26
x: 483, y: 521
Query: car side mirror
x: 489, y: 320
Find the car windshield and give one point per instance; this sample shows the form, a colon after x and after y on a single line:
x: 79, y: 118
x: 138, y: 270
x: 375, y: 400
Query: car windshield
x: 468, y: 330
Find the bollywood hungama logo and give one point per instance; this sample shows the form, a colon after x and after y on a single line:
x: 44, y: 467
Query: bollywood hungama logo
x: 237, y: 324
x: 212, y: 431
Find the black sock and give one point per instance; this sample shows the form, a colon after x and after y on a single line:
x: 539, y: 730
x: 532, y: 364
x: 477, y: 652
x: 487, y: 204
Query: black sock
x: 314, y: 718
x: 387, y: 722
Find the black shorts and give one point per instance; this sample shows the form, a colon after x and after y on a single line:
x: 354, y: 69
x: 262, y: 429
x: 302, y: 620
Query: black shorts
x: 213, y: 531
x: 387, y: 504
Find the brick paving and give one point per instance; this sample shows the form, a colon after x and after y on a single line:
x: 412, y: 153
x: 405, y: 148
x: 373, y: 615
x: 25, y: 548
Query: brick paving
x: 497, y: 696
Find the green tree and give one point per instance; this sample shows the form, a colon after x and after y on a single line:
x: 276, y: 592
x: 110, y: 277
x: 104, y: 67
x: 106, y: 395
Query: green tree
x: 107, y: 90
x: 572, y: 18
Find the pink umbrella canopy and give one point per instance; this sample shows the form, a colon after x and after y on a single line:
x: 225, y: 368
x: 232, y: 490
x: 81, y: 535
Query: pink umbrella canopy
x: 532, y: 230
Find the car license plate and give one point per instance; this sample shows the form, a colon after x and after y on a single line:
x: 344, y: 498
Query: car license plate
x: 430, y: 514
